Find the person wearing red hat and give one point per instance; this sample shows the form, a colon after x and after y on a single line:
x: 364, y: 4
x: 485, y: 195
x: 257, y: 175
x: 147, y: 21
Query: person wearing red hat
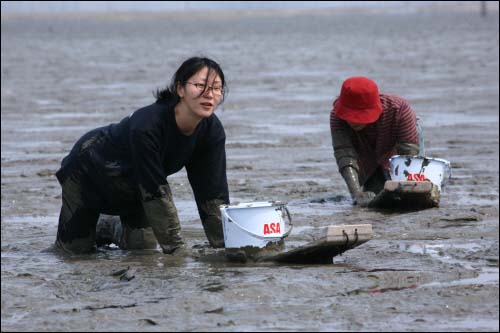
x: 367, y: 129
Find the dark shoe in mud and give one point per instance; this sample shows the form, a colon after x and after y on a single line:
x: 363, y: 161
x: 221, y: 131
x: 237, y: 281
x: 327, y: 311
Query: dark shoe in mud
x: 111, y: 230
x: 138, y: 239
x: 105, y: 230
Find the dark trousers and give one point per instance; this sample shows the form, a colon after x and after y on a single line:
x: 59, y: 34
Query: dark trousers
x: 80, y: 214
x: 77, y: 221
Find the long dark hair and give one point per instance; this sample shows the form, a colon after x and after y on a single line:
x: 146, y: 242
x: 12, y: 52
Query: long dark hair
x: 188, y: 69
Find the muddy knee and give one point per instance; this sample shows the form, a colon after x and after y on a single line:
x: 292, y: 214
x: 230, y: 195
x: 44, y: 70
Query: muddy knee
x: 108, y: 230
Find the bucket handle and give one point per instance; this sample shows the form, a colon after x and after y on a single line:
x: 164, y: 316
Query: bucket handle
x: 290, y: 223
x: 259, y: 236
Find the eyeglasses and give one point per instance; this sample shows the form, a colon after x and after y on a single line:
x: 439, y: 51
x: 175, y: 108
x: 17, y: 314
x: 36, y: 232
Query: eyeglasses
x: 203, y: 87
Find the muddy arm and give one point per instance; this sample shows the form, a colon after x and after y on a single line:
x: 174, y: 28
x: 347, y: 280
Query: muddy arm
x: 162, y: 216
x: 156, y: 196
x: 347, y: 162
x: 407, y: 148
x: 343, y: 150
x: 211, y: 220
x: 207, y: 176
x: 359, y: 197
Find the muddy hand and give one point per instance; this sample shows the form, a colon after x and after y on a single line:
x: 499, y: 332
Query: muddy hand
x: 362, y: 199
x: 212, y: 223
x: 162, y: 216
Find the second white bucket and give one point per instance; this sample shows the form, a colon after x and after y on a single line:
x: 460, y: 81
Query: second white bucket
x: 255, y: 223
x: 420, y: 168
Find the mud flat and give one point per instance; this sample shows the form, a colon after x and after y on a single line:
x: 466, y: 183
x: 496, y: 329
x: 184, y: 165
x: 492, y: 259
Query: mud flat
x: 435, y: 269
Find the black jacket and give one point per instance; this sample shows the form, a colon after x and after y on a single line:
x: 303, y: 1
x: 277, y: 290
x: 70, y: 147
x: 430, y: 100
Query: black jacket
x: 126, y: 163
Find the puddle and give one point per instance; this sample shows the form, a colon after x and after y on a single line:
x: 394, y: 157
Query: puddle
x: 487, y: 275
x: 468, y: 198
x: 415, y: 248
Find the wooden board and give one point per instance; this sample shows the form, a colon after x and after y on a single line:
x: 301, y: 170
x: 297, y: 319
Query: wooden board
x: 336, y: 240
x: 407, y: 194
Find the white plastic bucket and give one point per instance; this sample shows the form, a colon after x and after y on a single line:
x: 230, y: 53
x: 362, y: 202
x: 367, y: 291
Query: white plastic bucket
x: 419, y: 168
x: 254, y: 223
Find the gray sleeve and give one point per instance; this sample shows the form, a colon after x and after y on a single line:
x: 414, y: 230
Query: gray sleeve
x: 343, y: 149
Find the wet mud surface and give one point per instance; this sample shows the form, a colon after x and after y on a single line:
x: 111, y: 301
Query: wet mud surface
x: 435, y: 269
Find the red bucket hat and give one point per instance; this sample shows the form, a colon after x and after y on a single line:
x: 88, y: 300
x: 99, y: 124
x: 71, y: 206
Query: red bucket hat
x: 359, y: 101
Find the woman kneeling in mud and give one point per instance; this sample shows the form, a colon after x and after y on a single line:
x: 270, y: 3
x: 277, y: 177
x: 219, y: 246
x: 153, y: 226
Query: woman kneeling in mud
x: 121, y: 169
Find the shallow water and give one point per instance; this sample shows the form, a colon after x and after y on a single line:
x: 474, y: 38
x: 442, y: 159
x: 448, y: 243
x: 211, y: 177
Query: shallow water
x: 424, y: 270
